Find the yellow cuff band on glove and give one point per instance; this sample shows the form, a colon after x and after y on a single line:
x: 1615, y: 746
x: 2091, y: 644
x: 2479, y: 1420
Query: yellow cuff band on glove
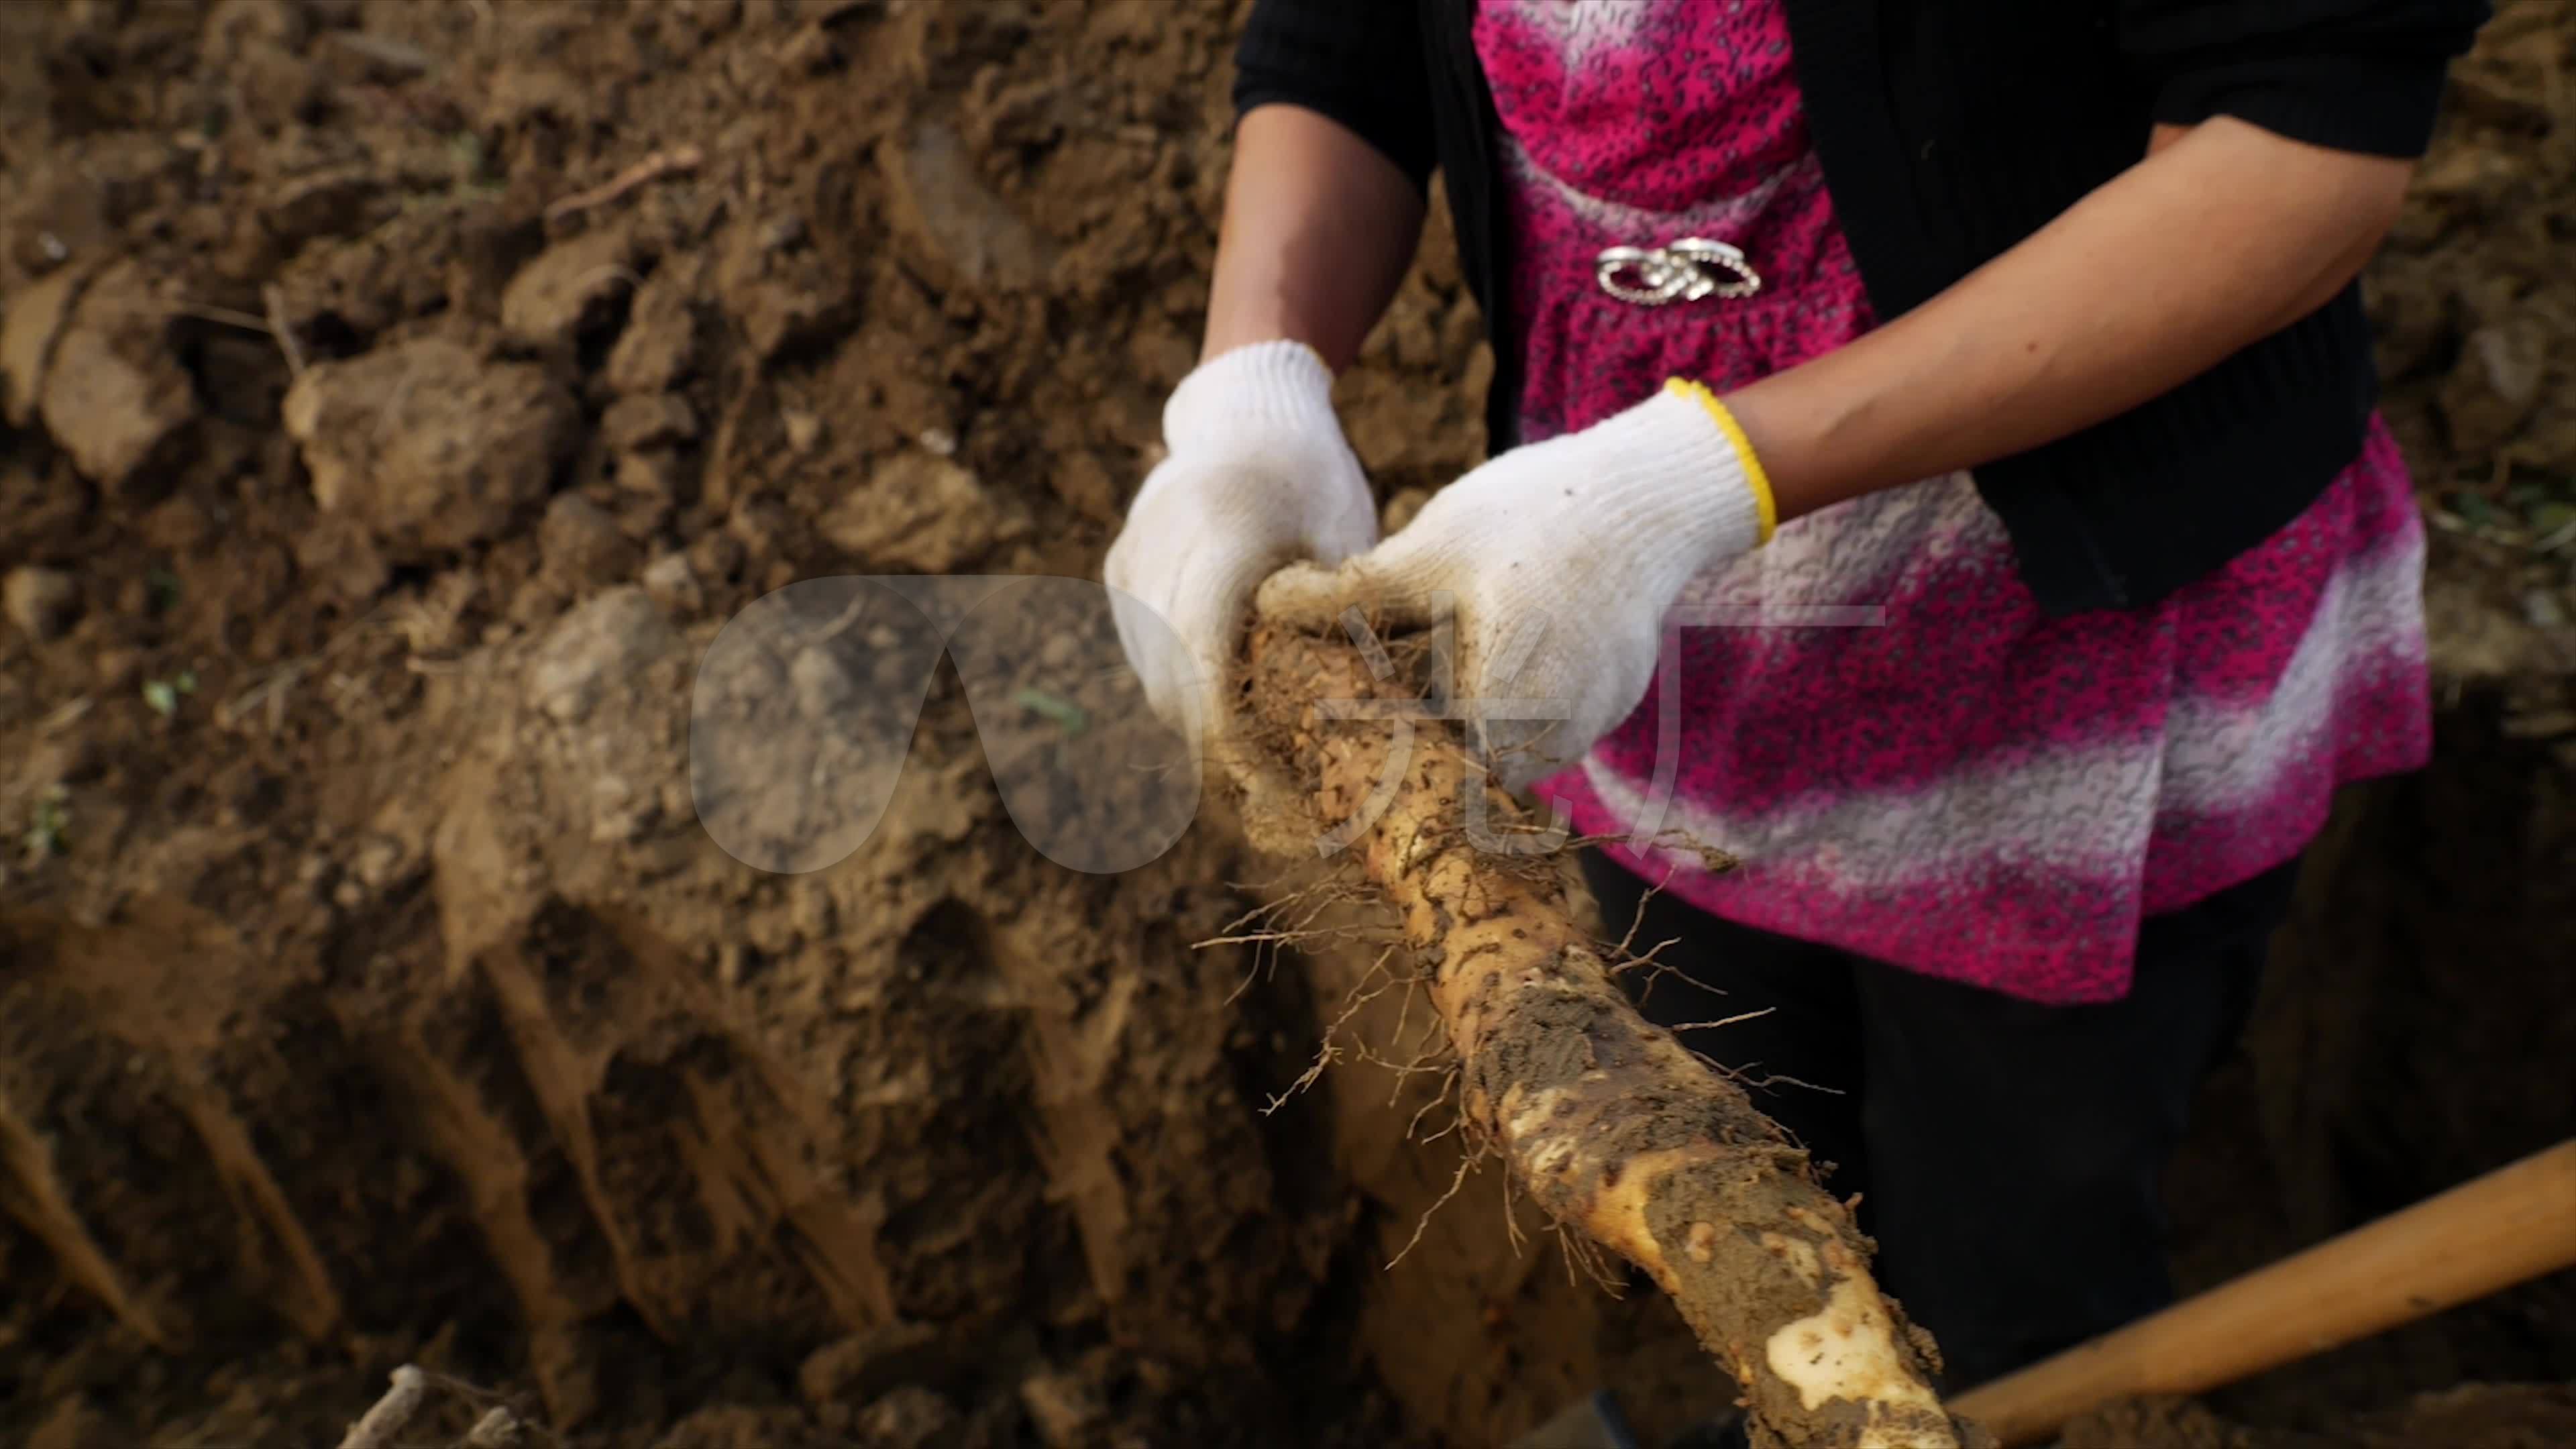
x: 1754, y: 477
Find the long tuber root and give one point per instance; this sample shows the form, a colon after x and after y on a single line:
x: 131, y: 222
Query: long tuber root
x: 1605, y: 1120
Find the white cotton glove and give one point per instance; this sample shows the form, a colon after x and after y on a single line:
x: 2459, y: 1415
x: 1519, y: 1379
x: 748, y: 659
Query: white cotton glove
x: 1557, y: 562
x: 1259, y: 475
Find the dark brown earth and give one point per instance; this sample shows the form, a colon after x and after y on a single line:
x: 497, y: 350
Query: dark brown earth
x: 370, y: 991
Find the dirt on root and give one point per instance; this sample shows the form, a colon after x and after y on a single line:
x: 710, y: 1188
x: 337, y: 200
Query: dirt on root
x: 402, y: 400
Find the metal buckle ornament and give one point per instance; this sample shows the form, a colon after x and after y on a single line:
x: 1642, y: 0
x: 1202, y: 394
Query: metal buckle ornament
x: 1678, y: 272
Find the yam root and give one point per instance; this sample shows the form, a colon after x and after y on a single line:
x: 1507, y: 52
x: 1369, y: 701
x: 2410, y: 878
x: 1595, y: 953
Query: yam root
x: 1607, y: 1122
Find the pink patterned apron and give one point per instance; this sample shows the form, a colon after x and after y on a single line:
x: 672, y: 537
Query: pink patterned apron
x: 1964, y: 787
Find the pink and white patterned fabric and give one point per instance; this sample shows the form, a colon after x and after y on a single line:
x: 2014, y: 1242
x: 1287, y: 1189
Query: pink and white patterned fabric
x: 1968, y: 788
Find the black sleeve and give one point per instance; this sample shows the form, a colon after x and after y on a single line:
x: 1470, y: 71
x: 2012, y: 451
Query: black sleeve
x: 2353, y: 75
x: 1359, y: 62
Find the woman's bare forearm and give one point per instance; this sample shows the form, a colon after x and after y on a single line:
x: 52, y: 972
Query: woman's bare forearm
x: 2223, y: 235
x: 1319, y: 228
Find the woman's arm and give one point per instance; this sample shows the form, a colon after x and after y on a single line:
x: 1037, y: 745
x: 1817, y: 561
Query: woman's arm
x: 2223, y: 235
x: 1319, y: 227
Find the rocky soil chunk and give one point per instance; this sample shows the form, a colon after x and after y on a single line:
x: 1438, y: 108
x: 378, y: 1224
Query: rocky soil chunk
x: 33, y: 319
x: 919, y: 513
x: 574, y: 286
x: 955, y: 229
x: 582, y: 543
x: 426, y: 444
x: 112, y: 393
x: 632, y: 424
x: 594, y: 647
x: 780, y: 292
x: 660, y: 343
x: 40, y: 602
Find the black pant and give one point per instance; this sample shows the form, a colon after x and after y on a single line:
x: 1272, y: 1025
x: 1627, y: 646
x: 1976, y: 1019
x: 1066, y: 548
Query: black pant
x: 2008, y: 1153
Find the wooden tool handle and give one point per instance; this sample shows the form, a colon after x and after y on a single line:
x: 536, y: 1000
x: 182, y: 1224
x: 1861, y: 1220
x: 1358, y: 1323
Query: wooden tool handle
x: 2513, y: 1224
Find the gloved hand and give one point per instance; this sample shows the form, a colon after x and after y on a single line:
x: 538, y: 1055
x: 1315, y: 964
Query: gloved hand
x: 1558, y: 561
x: 1259, y: 475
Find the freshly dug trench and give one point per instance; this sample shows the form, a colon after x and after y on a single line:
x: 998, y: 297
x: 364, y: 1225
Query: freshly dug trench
x: 1605, y: 1120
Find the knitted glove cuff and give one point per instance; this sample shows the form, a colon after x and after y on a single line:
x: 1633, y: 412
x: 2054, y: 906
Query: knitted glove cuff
x: 1755, y: 478
x: 1256, y: 401
x: 1674, y: 486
